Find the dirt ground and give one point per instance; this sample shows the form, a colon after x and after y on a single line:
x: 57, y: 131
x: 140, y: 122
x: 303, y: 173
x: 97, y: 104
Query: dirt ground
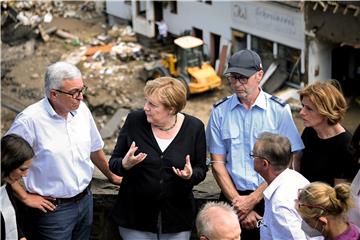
x: 107, y: 92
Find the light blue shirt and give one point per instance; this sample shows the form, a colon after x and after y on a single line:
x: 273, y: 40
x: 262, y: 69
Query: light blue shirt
x: 232, y: 131
x: 61, y: 167
x: 281, y: 220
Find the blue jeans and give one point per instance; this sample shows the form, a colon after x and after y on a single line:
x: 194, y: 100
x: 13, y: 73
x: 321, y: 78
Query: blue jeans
x: 69, y: 221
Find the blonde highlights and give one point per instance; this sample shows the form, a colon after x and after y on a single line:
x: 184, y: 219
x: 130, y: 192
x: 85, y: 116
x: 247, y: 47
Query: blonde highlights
x: 320, y: 199
x: 170, y: 91
x: 327, y: 98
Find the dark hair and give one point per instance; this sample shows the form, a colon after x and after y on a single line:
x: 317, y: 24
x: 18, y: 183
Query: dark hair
x: 14, y: 152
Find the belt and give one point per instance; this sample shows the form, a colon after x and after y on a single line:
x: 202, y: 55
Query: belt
x: 75, y: 198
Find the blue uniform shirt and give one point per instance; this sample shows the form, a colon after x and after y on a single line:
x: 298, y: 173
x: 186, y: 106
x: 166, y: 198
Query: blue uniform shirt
x: 232, y: 131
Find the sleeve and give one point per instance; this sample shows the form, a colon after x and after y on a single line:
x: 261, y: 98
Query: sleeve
x: 286, y: 225
x: 213, y: 135
x: 199, y: 163
x: 23, y: 128
x: 121, y: 148
x: 288, y: 128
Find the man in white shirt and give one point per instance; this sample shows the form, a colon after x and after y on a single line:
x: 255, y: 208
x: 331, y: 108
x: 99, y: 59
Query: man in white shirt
x: 67, y: 144
x: 271, y: 155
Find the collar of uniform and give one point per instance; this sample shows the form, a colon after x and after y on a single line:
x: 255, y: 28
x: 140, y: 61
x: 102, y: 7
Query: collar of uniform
x: 260, y: 101
x: 51, y: 110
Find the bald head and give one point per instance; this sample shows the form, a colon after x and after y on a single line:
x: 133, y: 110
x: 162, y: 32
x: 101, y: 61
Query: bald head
x: 218, y: 220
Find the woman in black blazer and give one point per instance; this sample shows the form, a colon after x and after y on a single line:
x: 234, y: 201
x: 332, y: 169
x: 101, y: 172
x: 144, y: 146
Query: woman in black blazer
x: 161, y: 154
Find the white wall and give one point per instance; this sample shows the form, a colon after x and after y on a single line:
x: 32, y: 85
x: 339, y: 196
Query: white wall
x: 266, y: 20
x: 144, y: 26
x: 319, y: 60
x: 119, y: 9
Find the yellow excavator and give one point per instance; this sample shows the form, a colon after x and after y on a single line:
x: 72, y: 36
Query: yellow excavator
x: 188, y: 65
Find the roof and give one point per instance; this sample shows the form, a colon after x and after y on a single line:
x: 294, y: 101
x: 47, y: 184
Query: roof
x: 188, y: 42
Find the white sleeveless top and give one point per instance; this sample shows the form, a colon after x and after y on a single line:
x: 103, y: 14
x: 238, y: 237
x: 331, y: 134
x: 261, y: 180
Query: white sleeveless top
x: 8, y: 212
x: 163, y: 143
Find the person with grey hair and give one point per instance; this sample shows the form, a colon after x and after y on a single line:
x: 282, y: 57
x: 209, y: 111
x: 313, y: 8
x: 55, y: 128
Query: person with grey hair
x: 272, y: 155
x: 218, y: 220
x: 67, y: 144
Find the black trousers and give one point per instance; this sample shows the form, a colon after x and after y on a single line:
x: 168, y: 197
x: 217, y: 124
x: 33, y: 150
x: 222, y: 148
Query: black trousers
x: 252, y: 234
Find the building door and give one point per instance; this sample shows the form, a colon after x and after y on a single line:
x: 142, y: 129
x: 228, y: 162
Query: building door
x: 214, y: 47
x: 346, y: 69
x: 158, y: 14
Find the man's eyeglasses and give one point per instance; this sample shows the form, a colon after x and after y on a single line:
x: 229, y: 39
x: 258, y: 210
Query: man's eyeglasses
x: 75, y: 93
x: 235, y: 77
x: 253, y: 156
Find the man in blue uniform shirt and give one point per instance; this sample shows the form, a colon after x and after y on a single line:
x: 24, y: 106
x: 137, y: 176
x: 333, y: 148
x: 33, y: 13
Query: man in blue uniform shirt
x: 234, y: 125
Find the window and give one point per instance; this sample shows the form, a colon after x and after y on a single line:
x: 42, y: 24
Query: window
x: 127, y: 2
x: 173, y: 7
x: 141, y: 8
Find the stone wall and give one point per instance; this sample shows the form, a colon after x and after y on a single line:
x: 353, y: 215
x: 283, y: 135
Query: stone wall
x: 105, y: 195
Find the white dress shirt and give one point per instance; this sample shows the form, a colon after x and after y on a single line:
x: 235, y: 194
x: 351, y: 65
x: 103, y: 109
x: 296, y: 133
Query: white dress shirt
x: 281, y: 220
x: 61, y: 167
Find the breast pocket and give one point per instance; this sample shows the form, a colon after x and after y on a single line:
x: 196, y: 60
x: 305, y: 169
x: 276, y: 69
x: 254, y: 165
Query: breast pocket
x: 231, y: 137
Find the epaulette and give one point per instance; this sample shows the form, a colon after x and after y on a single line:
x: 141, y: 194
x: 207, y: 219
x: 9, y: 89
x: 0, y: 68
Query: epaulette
x: 278, y: 100
x: 221, y: 101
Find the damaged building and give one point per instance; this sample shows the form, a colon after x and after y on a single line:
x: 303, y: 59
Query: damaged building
x: 299, y: 41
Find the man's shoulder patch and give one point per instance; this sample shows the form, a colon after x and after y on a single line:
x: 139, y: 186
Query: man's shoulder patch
x: 278, y: 100
x: 221, y: 101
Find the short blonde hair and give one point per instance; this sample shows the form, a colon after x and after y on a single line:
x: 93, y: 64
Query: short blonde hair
x: 327, y: 98
x: 171, y: 92
x: 320, y: 199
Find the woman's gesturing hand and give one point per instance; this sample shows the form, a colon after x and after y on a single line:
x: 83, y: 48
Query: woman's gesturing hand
x: 130, y: 159
x: 187, y: 172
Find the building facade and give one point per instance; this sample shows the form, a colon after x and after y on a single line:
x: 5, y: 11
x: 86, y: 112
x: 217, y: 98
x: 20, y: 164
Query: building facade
x: 298, y: 41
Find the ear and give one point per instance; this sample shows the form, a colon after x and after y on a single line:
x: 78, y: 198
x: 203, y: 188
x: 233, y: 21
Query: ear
x: 323, y: 220
x: 202, y: 237
x: 53, y: 93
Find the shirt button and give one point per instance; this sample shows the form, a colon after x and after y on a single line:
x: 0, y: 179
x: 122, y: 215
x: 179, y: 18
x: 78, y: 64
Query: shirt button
x: 161, y: 181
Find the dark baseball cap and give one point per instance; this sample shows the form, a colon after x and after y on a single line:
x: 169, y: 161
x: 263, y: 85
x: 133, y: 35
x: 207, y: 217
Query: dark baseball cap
x: 245, y: 62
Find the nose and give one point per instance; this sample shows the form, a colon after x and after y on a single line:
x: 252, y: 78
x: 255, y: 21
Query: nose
x: 302, y: 111
x: 80, y: 97
x: 146, y: 108
x: 25, y: 173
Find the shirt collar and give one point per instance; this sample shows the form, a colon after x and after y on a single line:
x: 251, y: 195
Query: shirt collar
x: 260, y: 101
x: 51, y: 110
x: 269, y: 191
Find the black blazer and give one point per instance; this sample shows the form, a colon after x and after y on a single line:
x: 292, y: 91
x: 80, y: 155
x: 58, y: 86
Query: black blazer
x: 151, y: 186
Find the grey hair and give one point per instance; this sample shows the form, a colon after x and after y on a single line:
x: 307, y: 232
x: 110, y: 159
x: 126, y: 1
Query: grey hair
x: 57, y: 73
x: 204, y: 225
x: 276, y: 149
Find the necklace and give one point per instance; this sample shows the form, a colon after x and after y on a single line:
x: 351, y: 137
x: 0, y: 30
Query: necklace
x: 169, y: 128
